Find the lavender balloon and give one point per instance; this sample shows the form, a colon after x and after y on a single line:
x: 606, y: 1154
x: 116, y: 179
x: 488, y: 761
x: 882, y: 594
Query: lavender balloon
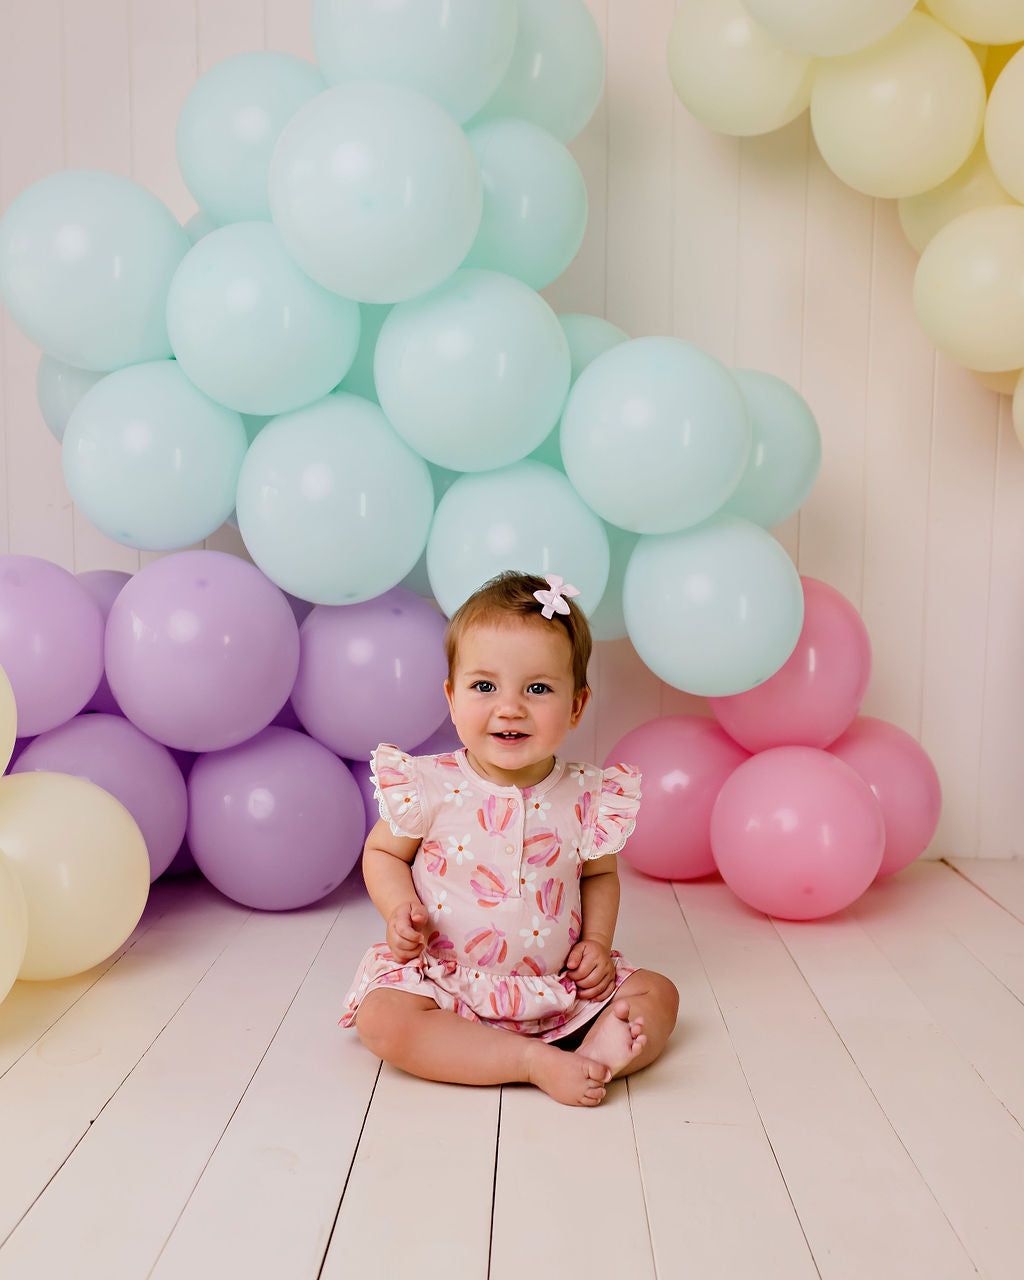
x: 104, y: 586
x: 201, y: 650
x: 372, y: 672
x: 276, y: 822
x: 51, y: 642
x: 112, y: 753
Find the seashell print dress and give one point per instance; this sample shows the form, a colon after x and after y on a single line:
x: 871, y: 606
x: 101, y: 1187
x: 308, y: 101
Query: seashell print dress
x: 499, y: 872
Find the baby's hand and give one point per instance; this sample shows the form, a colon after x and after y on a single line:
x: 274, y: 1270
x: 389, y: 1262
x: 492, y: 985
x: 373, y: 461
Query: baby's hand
x: 591, y: 967
x: 406, y: 931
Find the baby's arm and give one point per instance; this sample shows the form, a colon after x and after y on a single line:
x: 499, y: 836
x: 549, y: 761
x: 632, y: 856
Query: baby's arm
x: 589, y: 962
x: 387, y: 862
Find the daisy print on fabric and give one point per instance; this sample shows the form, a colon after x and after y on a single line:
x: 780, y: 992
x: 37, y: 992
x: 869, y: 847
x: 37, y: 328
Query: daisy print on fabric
x: 537, y: 808
x: 527, y: 883
x: 439, y: 906
x: 455, y: 793
x: 458, y: 848
x: 535, y: 935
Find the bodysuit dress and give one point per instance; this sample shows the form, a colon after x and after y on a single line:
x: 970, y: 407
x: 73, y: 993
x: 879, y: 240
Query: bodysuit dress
x: 499, y: 872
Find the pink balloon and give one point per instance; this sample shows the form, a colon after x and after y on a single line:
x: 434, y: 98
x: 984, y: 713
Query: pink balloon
x: 276, y: 822
x: 201, y: 650
x: 104, y: 586
x: 797, y: 833
x: 898, y: 770
x: 684, y: 761
x: 815, y: 694
x: 51, y: 642
x: 112, y: 753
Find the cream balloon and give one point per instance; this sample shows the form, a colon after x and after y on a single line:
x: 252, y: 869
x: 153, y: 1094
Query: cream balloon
x: 969, y: 289
x: 1004, y: 138
x: 731, y: 75
x: 828, y: 28
x: 987, y: 22
x: 13, y: 925
x: 83, y: 867
x: 8, y: 721
x: 903, y: 115
x: 973, y: 186
x: 1003, y: 382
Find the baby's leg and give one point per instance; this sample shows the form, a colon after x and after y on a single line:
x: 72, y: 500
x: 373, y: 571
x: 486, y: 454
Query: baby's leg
x: 632, y: 1030
x: 412, y: 1033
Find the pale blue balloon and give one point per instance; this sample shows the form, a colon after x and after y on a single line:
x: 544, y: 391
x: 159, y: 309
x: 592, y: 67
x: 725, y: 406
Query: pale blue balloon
x: 526, y: 517
x: 359, y: 379
x: 150, y: 460
x: 588, y: 337
x: 608, y: 622
x: 786, y: 454
x: 655, y: 435
x: 332, y: 506
x: 229, y: 125
x: 376, y: 191
x: 557, y: 69
x: 535, y: 202
x: 59, y: 387
x: 473, y: 375
x: 713, y: 610
x: 252, y: 330
x: 85, y: 261
x: 453, y: 51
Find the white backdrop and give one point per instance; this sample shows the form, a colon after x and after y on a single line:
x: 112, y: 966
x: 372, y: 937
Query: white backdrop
x: 750, y: 248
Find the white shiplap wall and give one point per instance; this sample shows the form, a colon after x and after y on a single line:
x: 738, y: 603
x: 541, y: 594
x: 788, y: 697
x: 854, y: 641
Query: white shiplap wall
x: 750, y: 248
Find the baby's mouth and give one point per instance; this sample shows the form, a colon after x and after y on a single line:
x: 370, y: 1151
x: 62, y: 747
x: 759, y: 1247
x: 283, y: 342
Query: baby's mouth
x: 510, y: 735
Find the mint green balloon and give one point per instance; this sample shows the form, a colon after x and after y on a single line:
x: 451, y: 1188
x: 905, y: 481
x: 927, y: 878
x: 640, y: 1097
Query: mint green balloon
x: 473, y: 375
x: 588, y: 337
x: 655, y: 435
x: 453, y: 51
x: 557, y: 69
x: 229, y: 125
x: 713, y: 610
x: 85, y: 261
x: 252, y: 330
x: 332, y: 506
x: 59, y: 387
x: 786, y: 454
x: 525, y: 516
x: 376, y: 191
x: 150, y: 460
x: 535, y: 202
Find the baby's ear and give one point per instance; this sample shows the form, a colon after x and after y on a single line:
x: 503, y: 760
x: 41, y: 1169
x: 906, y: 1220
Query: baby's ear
x: 579, y: 700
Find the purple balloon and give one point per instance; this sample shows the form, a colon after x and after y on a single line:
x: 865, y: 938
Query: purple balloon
x: 182, y: 864
x: 134, y: 769
x: 104, y: 586
x: 360, y: 770
x: 372, y: 672
x: 201, y: 650
x: 51, y: 642
x: 442, y: 740
x: 274, y: 823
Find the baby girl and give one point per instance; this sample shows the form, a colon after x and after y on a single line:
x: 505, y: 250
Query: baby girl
x: 494, y: 867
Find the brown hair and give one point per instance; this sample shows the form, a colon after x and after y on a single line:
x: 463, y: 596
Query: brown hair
x: 511, y: 592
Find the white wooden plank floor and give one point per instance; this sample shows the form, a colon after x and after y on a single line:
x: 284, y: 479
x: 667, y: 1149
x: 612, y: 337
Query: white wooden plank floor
x: 842, y: 1099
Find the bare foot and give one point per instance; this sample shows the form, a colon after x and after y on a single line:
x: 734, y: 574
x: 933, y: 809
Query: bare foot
x: 613, y: 1039
x: 567, y: 1077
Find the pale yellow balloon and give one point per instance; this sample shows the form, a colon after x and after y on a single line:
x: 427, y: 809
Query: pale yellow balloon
x: 828, y: 28
x: 83, y: 866
x: 13, y: 925
x: 969, y: 289
x: 986, y: 21
x: 1004, y: 126
x: 973, y: 186
x: 1018, y: 409
x: 903, y: 115
x: 729, y: 74
x: 8, y: 720
x: 1003, y: 383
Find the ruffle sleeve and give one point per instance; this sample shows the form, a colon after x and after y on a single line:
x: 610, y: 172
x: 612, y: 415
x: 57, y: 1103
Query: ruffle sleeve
x: 617, y: 806
x: 397, y: 791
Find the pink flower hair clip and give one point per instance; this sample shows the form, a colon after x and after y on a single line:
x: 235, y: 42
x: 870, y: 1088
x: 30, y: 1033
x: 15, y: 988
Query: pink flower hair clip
x: 554, y: 600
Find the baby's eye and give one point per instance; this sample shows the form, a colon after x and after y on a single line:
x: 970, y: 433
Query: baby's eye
x: 482, y: 686
x: 538, y: 687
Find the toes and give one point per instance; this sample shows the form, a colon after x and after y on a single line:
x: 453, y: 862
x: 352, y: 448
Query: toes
x: 638, y: 1045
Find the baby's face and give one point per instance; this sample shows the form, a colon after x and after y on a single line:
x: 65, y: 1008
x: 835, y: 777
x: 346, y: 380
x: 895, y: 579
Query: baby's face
x: 512, y: 698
